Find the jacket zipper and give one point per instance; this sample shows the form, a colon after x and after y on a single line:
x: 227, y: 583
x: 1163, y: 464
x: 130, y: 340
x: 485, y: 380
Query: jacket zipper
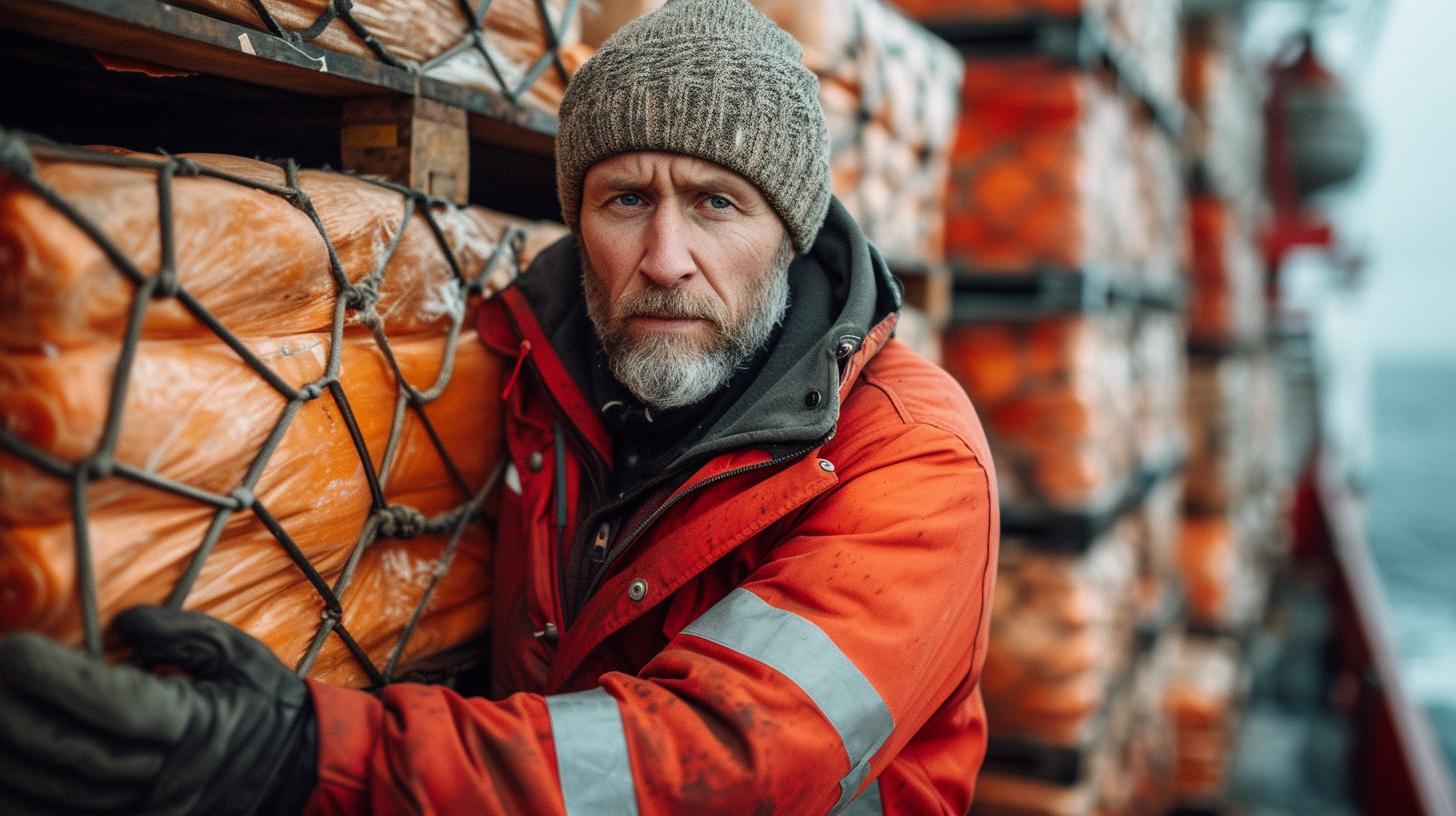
x: 627, y: 541
x: 588, y: 455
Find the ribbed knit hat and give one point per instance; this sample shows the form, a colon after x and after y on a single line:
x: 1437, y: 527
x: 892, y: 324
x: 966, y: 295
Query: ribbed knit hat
x: 714, y: 79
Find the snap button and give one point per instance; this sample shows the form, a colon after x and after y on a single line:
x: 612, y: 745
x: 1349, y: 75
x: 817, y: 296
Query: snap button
x: 811, y: 399
x: 826, y: 465
x: 637, y: 590
x: 535, y: 461
x: 550, y: 634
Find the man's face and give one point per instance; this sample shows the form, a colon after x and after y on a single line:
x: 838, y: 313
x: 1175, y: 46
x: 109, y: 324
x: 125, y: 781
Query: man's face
x: 685, y: 269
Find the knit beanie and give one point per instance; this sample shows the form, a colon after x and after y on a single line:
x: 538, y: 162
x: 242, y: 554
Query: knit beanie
x: 713, y: 79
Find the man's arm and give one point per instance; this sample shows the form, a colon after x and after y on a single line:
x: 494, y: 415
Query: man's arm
x: 787, y: 696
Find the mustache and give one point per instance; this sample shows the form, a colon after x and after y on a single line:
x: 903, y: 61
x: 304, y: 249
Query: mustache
x: 658, y: 301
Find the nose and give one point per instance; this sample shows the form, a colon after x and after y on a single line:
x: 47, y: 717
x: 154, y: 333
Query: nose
x: 667, y: 258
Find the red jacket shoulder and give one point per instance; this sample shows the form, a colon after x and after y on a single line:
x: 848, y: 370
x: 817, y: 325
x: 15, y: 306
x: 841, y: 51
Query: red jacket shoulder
x: 918, y: 392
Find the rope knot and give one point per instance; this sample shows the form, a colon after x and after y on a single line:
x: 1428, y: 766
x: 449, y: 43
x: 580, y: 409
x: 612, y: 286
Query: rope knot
x: 99, y: 466
x: 166, y: 285
x: 361, y: 297
x: 244, y: 498
x: 400, y: 521
x: 185, y: 167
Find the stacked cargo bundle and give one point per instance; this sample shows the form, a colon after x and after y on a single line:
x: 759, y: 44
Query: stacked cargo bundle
x: 1066, y: 211
x: 889, y: 90
x: 250, y: 389
x: 1229, y: 544
x: 525, y: 50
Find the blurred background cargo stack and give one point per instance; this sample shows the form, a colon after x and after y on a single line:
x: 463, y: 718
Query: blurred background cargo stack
x: 1067, y: 236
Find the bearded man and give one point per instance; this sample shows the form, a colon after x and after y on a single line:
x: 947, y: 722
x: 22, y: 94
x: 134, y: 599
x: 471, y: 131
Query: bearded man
x: 745, y: 544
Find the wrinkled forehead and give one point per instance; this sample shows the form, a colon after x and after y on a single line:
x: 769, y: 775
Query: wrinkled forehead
x: 653, y: 170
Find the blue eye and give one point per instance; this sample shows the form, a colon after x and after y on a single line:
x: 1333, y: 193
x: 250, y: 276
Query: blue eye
x: 719, y: 202
x: 629, y: 199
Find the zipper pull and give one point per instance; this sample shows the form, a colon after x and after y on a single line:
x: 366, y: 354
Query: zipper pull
x: 516, y: 372
x: 599, y: 544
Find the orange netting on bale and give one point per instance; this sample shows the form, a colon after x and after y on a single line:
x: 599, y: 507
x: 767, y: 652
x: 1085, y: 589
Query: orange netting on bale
x: 250, y: 390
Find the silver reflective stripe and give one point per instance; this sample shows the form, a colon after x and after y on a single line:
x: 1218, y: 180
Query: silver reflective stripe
x: 798, y: 649
x: 591, y: 754
x: 867, y: 803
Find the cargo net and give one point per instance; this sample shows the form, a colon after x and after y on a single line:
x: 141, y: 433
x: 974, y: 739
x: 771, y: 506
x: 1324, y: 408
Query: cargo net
x: 528, y: 39
x: 354, y: 303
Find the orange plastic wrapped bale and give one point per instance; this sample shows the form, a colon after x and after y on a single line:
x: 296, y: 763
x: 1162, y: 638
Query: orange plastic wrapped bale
x: 1004, y: 794
x: 830, y: 32
x: 890, y: 92
x: 944, y: 11
x: 256, y: 262
x: 1226, y: 299
x: 1061, y: 631
x: 242, y: 438
x: 1154, y: 527
x: 1159, y: 366
x: 1202, y: 700
x: 1225, y: 574
x: 1160, y: 247
x: 1224, y: 443
x: 1148, y: 752
x: 423, y: 32
x: 1148, y: 33
x: 1225, y: 136
x: 601, y: 18
x: 1056, y: 397
x: 1040, y: 170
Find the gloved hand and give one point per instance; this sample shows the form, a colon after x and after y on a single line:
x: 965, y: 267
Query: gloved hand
x: 79, y: 736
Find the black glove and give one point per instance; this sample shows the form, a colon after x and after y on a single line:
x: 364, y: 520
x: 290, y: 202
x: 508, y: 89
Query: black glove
x: 79, y: 736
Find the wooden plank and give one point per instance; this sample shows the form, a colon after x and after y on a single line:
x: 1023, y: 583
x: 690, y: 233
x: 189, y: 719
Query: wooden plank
x: 416, y: 142
x: 178, y: 38
x: 929, y: 288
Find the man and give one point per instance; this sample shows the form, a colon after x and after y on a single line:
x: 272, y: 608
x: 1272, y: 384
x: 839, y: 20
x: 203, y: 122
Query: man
x: 745, y: 545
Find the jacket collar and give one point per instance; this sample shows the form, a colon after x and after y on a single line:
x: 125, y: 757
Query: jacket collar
x: 844, y: 306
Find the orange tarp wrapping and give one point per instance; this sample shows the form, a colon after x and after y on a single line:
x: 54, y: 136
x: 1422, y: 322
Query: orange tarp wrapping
x: 1202, y: 698
x: 1041, y: 170
x: 1060, y: 631
x: 890, y: 93
x: 1154, y: 526
x: 932, y: 11
x: 419, y: 31
x: 1226, y: 299
x: 1159, y: 372
x: 195, y: 413
x: 1056, y: 397
x: 255, y: 261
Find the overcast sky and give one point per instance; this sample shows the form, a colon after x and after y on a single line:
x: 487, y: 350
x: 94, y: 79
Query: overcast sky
x: 1402, y: 212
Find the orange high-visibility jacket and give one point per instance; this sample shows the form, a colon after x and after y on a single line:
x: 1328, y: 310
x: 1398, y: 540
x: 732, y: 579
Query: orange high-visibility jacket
x: 798, y: 627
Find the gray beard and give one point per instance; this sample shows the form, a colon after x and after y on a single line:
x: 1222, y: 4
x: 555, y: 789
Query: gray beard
x: 669, y: 370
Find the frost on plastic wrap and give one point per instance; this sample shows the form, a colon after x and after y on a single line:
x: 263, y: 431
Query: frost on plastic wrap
x: 260, y: 393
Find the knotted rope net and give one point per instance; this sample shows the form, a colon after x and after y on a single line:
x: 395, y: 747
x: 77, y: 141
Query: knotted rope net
x: 478, y: 252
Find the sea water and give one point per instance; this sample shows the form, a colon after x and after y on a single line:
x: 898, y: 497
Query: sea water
x: 1412, y: 527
